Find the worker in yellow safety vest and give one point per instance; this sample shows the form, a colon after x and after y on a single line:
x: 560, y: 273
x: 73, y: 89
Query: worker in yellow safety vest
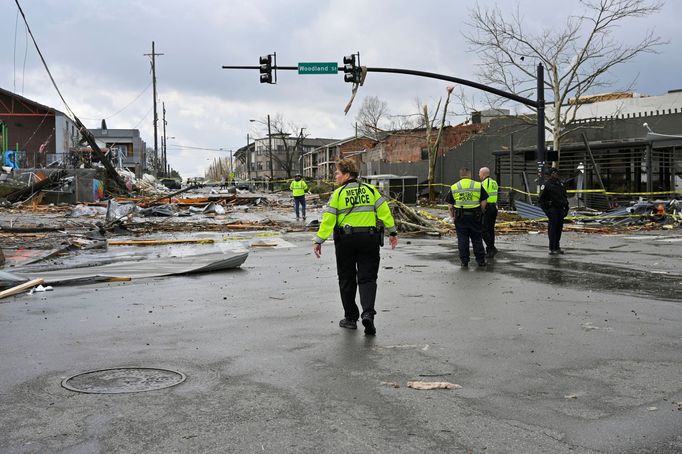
x: 357, y: 215
x: 490, y: 214
x: 298, y: 188
x: 466, y: 200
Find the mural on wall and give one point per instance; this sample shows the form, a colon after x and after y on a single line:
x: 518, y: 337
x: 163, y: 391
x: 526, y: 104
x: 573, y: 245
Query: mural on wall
x: 97, y: 190
x: 10, y: 160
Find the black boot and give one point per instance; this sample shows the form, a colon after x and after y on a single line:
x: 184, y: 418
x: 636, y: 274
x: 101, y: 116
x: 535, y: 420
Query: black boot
x: 348, y: 324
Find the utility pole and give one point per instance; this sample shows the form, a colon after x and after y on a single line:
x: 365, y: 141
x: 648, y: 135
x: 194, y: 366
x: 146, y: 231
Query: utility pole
x: 165, y: 140
x: 272, y: 169
x: 156, y: 115
x: 248, y: 158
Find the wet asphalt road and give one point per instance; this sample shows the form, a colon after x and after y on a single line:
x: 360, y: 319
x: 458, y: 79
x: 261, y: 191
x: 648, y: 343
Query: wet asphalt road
x: 579, y: 353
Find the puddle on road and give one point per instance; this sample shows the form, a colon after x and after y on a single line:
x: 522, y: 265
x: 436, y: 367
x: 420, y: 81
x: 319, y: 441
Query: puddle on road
x: 595, y: 276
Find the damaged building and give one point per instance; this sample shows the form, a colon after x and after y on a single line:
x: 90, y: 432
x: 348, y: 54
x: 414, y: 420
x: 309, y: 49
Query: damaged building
x: 36, y: 134
x: 42, y: 149
x: 620, y: 147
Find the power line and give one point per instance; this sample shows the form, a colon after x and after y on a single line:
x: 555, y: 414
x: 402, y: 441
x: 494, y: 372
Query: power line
x: 23, y: 71
x: 127, y: 105
x: 144, y: 118
x: 42, y: 59
x: 14, y: 71
x: 181, y: 147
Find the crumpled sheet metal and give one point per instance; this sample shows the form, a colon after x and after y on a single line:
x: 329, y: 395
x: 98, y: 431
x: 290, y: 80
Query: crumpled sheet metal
x: 529, y: 211
x: 158, y: 267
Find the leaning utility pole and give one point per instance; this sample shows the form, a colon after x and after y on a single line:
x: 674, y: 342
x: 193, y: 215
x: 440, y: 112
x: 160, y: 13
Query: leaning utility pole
x: 156, y: 116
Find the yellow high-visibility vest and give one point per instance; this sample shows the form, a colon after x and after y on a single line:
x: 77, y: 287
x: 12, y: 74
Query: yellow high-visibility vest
x: 357, y: 205
x: 491, y: 188
x: 298, y: 188
x: 467, y: 193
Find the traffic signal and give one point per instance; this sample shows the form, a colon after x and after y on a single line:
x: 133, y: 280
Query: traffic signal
x: 351, y: 72
x: 266, y: 69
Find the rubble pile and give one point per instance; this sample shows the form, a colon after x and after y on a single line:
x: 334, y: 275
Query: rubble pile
x: 411, y: 221
x: 646, y: 214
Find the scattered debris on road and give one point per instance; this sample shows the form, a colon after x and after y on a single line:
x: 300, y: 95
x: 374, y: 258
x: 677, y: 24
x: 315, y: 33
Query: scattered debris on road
x: 428, y: 385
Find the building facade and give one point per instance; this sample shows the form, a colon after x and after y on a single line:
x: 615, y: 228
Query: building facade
x: 255, y: 162
x: 320, y: 163
x: 125, y: 147
x: 37, y: 133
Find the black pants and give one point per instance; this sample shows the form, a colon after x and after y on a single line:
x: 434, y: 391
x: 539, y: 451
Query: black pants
x: 555, y: 225
x: 468, y: 226
x: 489, y: 218
x: 357, y: 265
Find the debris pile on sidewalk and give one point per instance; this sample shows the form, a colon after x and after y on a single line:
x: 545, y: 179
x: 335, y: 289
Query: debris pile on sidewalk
x: 649, y: 214
x: 411, y: 221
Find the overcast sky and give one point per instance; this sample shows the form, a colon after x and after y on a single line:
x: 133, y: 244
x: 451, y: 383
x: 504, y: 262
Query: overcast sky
x: 95, y: 49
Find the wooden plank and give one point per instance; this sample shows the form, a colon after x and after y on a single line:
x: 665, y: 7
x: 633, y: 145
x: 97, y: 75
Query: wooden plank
x: 21, y: 287
x: 156, y: 242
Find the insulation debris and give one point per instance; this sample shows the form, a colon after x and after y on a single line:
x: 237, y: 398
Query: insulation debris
x: 428, y: 385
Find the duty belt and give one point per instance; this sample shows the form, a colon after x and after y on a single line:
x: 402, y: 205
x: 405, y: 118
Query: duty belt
x: 349, y: 230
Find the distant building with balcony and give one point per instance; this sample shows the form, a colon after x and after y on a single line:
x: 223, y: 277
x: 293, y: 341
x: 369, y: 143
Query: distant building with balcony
x: 254, y: 161
x: 320, y: 163
x: 125, y: 146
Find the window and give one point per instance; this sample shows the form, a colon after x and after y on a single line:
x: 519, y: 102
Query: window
x: 425, y: 154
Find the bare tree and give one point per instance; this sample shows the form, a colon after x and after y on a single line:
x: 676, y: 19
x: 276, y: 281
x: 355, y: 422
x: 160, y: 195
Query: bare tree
x: 220, y: 167
x: 371, y: 115
x: 290, y: 136
x: 433, y: 143
x: 578, y: 56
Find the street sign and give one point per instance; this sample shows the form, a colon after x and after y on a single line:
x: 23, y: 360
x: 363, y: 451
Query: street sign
x: 318, y: 68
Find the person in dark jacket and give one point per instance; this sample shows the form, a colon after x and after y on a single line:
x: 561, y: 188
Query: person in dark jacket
x: 554, y: 202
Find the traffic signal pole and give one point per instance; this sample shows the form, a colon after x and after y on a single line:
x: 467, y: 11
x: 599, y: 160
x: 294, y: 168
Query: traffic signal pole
x: 538, y: 104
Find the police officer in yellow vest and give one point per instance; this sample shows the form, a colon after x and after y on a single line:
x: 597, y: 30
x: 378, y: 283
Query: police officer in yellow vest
x: 490, y: 213
x: 352, y: 215
x: 298, y: 188
x: 466, y: 201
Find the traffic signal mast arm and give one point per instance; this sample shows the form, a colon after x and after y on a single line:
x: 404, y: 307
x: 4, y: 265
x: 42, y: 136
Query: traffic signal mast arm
x: 468, y: 83
x: 457, y: 80
x: 353, y: 73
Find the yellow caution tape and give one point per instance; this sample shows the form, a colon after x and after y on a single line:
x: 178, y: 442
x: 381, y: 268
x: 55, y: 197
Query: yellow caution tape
x: 520, y: 191
x: 573, y: 218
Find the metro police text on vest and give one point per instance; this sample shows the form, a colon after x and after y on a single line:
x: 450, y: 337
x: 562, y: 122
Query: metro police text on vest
x: 357, y: 196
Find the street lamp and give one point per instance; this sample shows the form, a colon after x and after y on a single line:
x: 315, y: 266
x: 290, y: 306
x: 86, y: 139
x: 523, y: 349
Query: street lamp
x: 272, y: 168
x: 300, y: 151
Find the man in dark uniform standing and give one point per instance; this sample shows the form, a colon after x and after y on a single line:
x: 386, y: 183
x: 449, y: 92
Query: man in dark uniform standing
x: 466, y: 200
x: 490, y: 212
x: 554, y: 202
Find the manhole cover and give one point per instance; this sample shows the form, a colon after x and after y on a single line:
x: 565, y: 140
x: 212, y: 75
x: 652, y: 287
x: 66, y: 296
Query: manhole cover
x: 123, y: 380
